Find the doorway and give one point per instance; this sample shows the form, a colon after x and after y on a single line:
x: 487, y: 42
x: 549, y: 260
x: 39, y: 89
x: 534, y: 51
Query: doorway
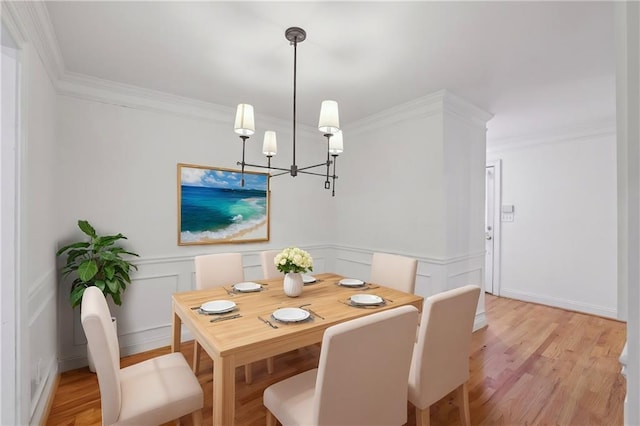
x: 493, y: 185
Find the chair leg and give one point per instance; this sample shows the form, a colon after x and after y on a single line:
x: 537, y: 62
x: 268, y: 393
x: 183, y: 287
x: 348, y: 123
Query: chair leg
x: 197, y: 417
x: 196, y: 356
x: 271, y: 419
x: 462, y: 397
x: 248, y: 374
x: 422, y: 417
x: 270, y: 365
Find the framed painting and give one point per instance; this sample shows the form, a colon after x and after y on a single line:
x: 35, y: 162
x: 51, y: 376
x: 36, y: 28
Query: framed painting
x: 214, y: 208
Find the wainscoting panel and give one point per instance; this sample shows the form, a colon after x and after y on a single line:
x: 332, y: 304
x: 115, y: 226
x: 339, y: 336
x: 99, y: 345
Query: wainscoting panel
x: 42, y: 337
x: 144, y: 319
x: 433, y: 275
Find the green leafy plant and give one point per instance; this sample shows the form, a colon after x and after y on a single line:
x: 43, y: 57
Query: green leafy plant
x: 97, y: 262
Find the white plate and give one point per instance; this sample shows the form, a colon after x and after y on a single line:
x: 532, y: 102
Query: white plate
x: 350, y: 282
x: 218, y: 306
x: 308, y: 279
x: 247, y: 287
x: 366, y: 299
x: 291, y: 314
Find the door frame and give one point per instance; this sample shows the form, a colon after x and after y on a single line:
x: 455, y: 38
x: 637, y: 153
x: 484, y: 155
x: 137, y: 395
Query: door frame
x: 497, y: 223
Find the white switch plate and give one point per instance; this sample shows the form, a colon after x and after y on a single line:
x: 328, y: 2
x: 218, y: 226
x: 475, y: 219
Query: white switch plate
x: 507, y: 217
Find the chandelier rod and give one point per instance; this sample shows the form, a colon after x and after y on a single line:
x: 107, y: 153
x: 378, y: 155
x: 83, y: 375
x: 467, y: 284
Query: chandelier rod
x: 294, y: 166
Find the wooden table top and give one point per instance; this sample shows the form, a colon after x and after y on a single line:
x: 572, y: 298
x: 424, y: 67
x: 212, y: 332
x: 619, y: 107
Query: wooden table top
x: 248, y: 334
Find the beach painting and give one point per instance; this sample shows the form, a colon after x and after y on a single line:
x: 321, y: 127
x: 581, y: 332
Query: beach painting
x: 214, y: 208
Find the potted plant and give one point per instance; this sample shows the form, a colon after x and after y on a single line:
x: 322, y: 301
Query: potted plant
x: 97, y: 262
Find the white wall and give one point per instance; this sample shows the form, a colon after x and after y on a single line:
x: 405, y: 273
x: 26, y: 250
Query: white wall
x: 628, y: 145
x: 118, y: 168
x: 412, y: 183
x: 561, y: 248
x: 38, y: 233
x: 9, y: 93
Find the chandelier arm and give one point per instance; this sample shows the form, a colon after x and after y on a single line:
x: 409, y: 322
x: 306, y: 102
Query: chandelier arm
x: 315, y: 174
x: 261, y: 166
x: 312, y: 167
x: 280, y: 174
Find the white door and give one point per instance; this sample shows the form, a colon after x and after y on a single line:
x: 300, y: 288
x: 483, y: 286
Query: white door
x: 489, y: 221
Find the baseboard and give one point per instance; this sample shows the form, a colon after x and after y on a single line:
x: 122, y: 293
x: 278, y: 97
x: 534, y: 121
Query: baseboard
x: 47, y: 410
x: 560, y: 303
x: 480, y: 321
x: 40, y: 416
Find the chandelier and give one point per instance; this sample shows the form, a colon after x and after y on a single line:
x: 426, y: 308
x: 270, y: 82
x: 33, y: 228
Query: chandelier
x: 328, y: 124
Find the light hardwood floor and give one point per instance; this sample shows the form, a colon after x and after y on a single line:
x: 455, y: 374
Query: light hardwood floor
x: 531, y: 365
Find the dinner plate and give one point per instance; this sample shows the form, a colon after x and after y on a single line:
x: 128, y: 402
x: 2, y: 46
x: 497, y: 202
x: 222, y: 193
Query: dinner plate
x: 218, y: 306
x: 290, y: 314
x: 350, y: 282
x: 308, y: 279
x: 247, y: 287
x: 366, y: 299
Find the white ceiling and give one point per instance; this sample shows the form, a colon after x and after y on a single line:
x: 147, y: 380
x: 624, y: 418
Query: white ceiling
x: 534, y: 65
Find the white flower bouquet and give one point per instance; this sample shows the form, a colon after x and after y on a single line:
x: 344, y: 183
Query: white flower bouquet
x: 293, y: 259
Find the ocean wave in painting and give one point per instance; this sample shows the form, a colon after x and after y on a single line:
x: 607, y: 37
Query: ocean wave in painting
x: 216, y: 214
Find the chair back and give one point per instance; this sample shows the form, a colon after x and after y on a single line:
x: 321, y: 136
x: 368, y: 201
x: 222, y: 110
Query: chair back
x: 103, y: 344
x: 363, y: 370
x: 441, y: 355
x: 397, y: 272
x: 214, y: 270
x: 269, y: 270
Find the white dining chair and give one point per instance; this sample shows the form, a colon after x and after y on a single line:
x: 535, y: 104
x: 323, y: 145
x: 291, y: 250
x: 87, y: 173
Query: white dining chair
x: 393, y: 271
x: 151, y: 392
x: 361, y: 377
x: 215, y: 270
x: 440, y: 362
x: 269, y: 270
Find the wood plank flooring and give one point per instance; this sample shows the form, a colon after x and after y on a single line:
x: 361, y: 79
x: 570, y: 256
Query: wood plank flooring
x: 532, y: 365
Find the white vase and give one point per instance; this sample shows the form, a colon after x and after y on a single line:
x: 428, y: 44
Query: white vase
x: 293, y: 284
x: 92, y: 365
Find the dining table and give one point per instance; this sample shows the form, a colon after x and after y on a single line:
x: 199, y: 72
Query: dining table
x: 250, y: 333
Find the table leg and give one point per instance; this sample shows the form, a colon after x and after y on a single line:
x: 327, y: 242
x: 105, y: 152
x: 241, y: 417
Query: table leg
x: 224, y: 391
x: 176, y: 326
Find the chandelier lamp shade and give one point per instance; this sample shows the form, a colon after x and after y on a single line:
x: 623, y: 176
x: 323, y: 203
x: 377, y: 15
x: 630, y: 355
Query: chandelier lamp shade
x: 328, y: 124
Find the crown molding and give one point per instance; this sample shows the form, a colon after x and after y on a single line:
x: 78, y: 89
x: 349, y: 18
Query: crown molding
x: 581, y: 132
x: 109, y: 92
x: 89, y: 88
x: 466, y: 110
x: 31, y: 19
x: 425, y: 106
